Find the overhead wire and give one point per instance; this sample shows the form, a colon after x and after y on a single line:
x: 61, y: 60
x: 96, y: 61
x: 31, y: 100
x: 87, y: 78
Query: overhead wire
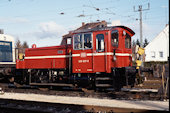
x: 64, y: 12
x: 100, y: 11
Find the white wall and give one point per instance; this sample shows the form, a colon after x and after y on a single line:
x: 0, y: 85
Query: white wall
x: 159, y: 44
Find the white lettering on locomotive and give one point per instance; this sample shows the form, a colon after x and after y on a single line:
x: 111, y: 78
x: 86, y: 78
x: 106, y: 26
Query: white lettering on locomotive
x: 89, y: 69
x: 83, y: 61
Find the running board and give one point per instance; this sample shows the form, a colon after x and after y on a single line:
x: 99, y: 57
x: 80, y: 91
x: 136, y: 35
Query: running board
x: 103, y: 85
x: 103, y: 78
x: 53, y: 84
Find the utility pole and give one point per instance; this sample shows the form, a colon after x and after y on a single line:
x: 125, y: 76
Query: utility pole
x: 141, y: 31
x: 140, y: 14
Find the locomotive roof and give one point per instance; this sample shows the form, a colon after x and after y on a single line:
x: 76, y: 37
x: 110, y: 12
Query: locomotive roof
x: 4, y: 37
x: 104, y: 28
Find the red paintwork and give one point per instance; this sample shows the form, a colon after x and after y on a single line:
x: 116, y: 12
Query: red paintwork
x: 104, y: 63
x: 83, y: 61
x: 100, y: 62
x: 45, y: 63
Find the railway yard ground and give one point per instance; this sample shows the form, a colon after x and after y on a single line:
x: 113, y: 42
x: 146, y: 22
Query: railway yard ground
x: 49, y: 103
x: 32, y: 100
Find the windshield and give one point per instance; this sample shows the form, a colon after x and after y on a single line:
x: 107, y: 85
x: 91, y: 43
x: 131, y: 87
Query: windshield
x: 83, y: 41
x: 115, y: 38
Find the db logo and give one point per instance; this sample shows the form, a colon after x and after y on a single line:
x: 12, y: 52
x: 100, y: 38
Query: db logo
x: 83, y: 55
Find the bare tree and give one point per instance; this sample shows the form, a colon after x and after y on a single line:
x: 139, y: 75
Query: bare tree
x: 145, y: 42
x: 20, y: 48
x: 18, y: 44
x: 25, y: 45
x: 133, y: 43
x: 137, y: 42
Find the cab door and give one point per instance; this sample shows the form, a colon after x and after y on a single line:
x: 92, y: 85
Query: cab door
x: 99, y: 55
x: 82, y: 53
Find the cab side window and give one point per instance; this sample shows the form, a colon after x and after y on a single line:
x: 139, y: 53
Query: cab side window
x: 82, y: 41
x: 87, y: 41
x: 128, y: 41
x: 68, y: 41
x: 100, y: 43
x: 78, y: 44
x: 115, y: 38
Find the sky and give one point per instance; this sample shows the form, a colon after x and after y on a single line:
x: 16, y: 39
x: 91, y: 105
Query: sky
x: 44, y: 22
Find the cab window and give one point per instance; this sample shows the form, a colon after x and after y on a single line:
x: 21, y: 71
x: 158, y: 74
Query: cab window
x: 87, y: 41
x: 78, y: 44
x: 83, y: 41
x: 114, y: 38
x: 100, y: 43
x: 68, y: 41
x: 128, y: 41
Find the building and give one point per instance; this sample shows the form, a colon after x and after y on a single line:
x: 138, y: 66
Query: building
x: 158, y: 49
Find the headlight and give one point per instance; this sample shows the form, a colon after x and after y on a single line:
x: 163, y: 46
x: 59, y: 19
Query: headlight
x: 114, y: 58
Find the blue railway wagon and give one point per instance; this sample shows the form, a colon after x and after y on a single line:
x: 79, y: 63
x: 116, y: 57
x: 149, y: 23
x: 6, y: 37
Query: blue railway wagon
x: 6, y: 51
x: 7, y: 56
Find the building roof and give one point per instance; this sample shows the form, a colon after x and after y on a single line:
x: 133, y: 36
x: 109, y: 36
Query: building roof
x: 163, y: 33
x: 158, y: 48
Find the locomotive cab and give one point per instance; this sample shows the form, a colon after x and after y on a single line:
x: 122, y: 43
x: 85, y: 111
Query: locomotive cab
x: 101, y: 50
x: 121, y: 47
x: 104, y: 56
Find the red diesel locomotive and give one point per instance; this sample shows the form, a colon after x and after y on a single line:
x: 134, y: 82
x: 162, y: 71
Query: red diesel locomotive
x: 93, y: 58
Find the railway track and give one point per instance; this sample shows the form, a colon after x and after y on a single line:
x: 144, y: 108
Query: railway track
x: 20, y: 106
x: 8, y: 106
